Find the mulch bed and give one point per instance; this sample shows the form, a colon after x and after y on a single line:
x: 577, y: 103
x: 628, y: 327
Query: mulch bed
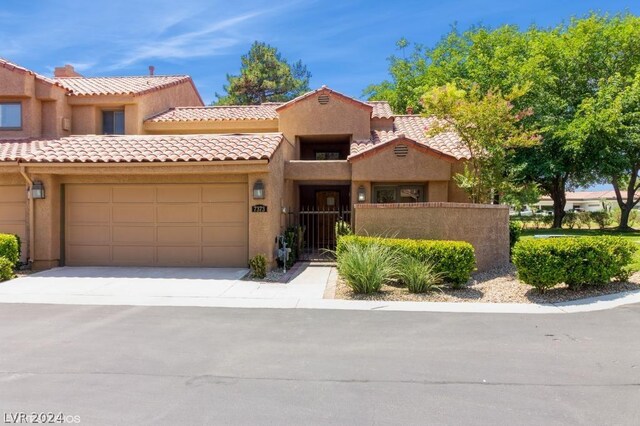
x: 496, y: 286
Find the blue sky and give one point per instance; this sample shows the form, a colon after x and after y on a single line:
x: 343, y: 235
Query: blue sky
x: 344, y: 43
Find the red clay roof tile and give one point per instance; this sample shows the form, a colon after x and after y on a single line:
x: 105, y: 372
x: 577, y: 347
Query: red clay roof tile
x: 131, y: 85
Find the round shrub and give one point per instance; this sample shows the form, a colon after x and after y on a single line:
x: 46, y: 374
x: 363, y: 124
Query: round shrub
x: 544, y: 263
x: 6, y: 269
x: 10, y: 248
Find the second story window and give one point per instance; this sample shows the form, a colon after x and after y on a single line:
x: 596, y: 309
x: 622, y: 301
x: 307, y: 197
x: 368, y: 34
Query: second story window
x: 113, y: 122
x: 10, y: 116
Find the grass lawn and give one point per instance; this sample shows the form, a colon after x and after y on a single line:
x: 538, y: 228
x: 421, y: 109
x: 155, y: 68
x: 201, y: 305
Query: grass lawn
x: 631, y: 236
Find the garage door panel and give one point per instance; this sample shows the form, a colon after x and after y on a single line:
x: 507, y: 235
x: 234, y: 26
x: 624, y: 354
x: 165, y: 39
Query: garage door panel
x: 157, y: 225
x: 12, y: 212
x: 133, y: 213
x: 89, y: 194
x: 178, y: 194
x: 134, y: 234
x: 133, y: 255
x: 78, y: 255
x: 13, y: 193
x: 224, y: 193
x: 179, y: 256
x: 88, y: 213
x: 88, y: 234
x: 177, y: 213
x: 227, y: 213
x: 179, y: 235
x: 235, y: 257
x: 223, y: 235
x: 134, y: 194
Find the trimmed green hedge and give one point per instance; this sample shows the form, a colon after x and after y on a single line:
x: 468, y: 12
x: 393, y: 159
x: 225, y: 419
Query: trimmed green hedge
x: 6, y: 269
x: 452, y: 260
x: 544, y: 263
x: 10, y: 248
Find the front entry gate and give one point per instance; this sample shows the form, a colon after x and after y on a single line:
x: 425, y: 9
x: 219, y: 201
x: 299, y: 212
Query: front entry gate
x: 318, y: 224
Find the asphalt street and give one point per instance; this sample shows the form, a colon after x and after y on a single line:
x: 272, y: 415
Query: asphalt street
x: 180, y: 366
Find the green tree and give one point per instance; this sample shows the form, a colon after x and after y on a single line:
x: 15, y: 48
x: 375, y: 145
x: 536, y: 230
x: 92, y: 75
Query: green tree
x: 608, y: 125
x: 562, y: 66
x: 489, y: 127
x: 265, y: 77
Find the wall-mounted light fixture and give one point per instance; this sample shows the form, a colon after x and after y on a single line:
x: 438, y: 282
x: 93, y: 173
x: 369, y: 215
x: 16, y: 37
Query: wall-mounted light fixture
x: 362, y: 194
x: 37, y: 190
x: 258, y: 190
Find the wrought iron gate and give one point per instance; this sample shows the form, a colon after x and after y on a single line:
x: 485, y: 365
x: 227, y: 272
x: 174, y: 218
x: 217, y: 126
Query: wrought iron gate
x: 318, y: 230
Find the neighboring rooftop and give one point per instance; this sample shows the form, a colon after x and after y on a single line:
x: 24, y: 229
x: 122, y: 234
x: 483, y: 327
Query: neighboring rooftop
x: 266, y: 111
x: 132, y: 85
x: 586, y: 195
x: 155, y: 148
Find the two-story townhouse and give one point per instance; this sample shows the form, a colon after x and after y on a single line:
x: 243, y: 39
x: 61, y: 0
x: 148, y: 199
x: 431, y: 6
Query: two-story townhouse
x: 136, y: 171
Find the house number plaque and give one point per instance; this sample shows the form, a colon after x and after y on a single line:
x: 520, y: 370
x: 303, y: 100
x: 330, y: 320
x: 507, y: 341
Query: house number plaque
x: 259, y: 208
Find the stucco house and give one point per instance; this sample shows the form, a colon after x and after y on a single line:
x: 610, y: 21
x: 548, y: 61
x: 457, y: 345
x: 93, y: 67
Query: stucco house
x: 137, y: 171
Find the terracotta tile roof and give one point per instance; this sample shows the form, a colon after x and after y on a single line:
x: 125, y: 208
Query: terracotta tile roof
x: 265, y: 111
x: 414, y: 127
x: 156, y: 148
x: 15, y: 149
x: 132, y: 85
x: 326, y: 91
x: 586, y: 195
x: 381, y: 109
x: 15, y: 67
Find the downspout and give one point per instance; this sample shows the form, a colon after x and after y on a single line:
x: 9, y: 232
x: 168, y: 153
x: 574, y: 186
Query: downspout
x: 32, y: 216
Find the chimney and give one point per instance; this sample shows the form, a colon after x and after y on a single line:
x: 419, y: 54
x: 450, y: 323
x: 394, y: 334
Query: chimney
x: 410, y: 110
x: 152, y: 70
x: 66, y: 71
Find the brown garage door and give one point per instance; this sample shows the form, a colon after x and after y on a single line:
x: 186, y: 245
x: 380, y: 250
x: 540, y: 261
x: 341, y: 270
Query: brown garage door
x: 156, y: 225
x: 13, y: 212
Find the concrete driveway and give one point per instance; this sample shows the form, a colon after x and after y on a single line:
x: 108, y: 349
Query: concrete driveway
x: 160, y: 286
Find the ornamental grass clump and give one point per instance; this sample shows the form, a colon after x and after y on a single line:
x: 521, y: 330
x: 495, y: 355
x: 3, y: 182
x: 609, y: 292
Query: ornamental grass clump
x: 419, y: 276
x: 366, y: 267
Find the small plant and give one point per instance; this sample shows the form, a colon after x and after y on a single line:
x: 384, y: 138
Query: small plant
x: 515, y: 230
x: 584, y: 219
x: 258, y: 265
x: 10, y: 248
x: 601, y: 218
x: 570, y: 220
x: 6, y: 269
x: 419, y: 276
x: 343, y: 228
x: 366, y: 267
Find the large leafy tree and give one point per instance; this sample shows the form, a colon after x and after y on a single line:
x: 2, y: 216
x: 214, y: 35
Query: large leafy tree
x: 489, y: 127
x: 562, y: 66
x: 608, y: 125
x: 265, y: 76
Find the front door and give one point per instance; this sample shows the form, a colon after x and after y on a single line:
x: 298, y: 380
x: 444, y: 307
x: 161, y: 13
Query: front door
x: 328, y: 207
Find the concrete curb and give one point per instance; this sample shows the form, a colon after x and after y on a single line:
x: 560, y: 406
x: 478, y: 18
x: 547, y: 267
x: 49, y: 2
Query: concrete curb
x: 585, y: 305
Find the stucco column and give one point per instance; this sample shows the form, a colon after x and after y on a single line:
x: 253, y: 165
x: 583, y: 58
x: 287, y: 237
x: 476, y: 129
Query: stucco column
x: 47, y: 223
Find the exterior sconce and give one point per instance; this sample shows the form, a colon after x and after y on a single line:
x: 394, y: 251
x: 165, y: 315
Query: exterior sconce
x: 258, y: 190
x: 362, y: 194
x: 37, y: 190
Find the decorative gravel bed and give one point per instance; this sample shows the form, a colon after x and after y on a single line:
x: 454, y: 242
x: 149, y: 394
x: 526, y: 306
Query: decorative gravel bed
x: 496, y: 286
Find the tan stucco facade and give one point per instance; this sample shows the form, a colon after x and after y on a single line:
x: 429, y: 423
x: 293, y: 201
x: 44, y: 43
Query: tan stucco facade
x: 55, y: 229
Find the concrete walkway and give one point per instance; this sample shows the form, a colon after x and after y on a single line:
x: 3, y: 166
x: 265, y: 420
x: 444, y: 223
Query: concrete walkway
x: 218, y: 287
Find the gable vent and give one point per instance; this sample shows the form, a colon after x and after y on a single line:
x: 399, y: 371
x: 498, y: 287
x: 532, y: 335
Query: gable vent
x: 401, y: 150
x: 323, y: 99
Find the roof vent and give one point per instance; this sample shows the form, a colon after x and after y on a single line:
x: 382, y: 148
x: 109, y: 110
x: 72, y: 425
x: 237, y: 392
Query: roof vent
x: 323, y: 99
x: 401, y: 150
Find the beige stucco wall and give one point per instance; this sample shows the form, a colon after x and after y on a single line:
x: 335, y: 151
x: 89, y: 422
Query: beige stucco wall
x: 383, y: 165
x: 486, y: 227
x: 338, y: 117
x: 456, y: 194
x: 318, y: 170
